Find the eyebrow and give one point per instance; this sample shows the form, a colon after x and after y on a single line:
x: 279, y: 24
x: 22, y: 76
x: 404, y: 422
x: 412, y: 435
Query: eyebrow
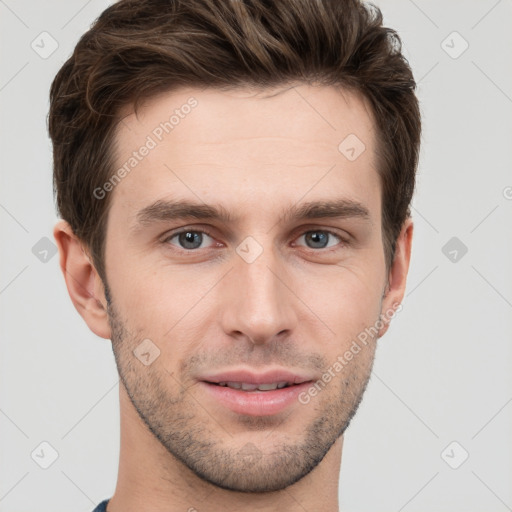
x: 165, y: 210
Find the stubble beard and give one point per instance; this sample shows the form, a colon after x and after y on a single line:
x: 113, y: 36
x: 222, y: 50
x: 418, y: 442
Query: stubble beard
x: 193, y: 437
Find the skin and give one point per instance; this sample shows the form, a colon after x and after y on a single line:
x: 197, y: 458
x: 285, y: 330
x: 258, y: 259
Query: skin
x: 298, y: 305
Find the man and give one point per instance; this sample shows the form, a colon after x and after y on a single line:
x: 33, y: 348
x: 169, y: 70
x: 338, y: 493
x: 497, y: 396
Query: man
x: 234, y: 179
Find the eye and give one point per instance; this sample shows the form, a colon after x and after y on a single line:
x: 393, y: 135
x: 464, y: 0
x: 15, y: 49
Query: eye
x: 188, y: 239
x: 191, y: 240
x: 319, y: 238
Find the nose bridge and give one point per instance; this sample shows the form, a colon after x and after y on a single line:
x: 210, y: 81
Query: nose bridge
x: 261, y: 306
x: 260, y: 283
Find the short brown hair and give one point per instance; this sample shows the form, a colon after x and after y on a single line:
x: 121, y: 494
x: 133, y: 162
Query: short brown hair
x: 139, y: 48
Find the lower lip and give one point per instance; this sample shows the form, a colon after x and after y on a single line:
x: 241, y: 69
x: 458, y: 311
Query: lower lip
x: 255, y: 403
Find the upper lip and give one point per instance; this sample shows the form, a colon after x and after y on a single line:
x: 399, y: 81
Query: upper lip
x: 267, y: 377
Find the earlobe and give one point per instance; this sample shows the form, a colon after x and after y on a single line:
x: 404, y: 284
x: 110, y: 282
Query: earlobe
x: 84, y: 285
x: 397, y: 278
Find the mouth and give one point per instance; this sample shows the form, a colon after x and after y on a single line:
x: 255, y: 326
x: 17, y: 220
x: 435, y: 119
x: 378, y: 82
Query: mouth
x: 256, y: 394
x: 247, y: 386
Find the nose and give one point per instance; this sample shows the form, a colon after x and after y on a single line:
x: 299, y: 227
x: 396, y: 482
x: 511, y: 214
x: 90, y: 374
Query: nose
x: 258, y: 303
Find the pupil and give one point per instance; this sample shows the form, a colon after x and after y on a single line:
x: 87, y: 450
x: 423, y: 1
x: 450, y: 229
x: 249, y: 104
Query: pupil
x: 188, y: 238
x: 317, y: 237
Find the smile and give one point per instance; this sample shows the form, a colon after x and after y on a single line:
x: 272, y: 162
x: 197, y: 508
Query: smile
x: 246, y: 386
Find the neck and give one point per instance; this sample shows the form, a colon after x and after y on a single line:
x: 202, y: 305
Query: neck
x: 153, y: 480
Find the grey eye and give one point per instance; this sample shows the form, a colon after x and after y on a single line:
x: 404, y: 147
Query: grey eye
x: 318, y: 239
x: 189, y: 239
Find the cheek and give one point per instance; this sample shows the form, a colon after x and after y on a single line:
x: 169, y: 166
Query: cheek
x: 160, y: 301
x: 347, y: 300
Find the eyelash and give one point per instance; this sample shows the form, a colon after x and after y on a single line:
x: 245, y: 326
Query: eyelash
x: 168, y: 238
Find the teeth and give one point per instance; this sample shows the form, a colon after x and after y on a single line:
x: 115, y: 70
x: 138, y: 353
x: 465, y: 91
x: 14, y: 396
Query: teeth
x: 248, y: 387
x: 267, y: 387
x: 244, y: 386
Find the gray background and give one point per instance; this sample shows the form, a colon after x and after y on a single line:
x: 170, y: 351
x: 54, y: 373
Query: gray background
x: 442, y: 373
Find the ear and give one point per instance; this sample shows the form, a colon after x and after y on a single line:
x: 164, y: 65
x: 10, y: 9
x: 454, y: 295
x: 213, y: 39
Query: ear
x: 82, y: 280
x: 397, y: 277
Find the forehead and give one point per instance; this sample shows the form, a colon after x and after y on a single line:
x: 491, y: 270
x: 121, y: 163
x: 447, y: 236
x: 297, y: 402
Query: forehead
x: 272, y: 145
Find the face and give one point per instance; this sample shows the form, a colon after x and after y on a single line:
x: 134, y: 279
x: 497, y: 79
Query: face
x: 244, y: 247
